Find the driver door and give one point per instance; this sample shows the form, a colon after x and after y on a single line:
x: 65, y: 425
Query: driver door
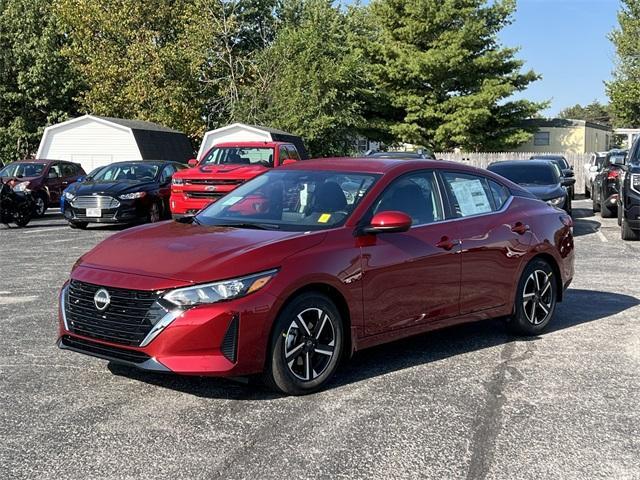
x: 413, y: 277
x: 54, y: 182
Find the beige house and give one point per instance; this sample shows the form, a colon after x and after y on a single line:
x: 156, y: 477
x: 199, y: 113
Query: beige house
x: 563, y: 135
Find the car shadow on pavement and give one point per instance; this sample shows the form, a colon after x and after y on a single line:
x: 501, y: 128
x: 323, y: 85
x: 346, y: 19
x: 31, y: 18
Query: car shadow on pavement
x: 584, y: 222
x: 402, y: 354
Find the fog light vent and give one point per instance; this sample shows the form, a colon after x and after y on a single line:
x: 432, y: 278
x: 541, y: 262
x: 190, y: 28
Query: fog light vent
x: 229, y: 346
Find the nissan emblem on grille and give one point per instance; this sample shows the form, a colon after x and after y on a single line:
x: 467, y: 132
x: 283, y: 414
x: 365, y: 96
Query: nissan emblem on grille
x: 102, y: 299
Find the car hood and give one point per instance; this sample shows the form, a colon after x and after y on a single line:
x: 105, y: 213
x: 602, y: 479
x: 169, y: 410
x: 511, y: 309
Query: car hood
x: 231, y: 171
x: 190, y: 253
x: 545, y: 192
x: 109, y: 187
x: 21, y: 179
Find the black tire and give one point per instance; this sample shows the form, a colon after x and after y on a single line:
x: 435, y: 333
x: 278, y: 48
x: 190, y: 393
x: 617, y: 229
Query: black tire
x: 41, y: 205
x: 587, y: 192
x: 619, y: 215
x: 595, y: 205
x: 79, y: 225
x: 568, y: 208
x: 628, y: 233
x: 606, y: 211
x: 294, y: 364
x: 22, y: 220
x: 532, y: 319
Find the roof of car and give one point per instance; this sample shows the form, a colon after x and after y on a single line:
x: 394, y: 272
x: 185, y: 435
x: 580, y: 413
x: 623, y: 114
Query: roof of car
x: 547, y: 157
x: 370, y: 164
x: 43, y: 160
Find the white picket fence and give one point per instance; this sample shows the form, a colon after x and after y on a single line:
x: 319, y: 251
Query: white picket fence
x: 483, y: 159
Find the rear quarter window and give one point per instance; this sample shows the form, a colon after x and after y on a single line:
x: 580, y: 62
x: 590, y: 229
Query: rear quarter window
x: 500, y: 194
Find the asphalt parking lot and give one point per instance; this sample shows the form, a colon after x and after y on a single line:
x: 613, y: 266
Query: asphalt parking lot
x: 469, y: 402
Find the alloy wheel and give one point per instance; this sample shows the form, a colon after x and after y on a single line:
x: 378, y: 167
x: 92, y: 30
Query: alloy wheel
x: 39, y: 206
x: 154, y: 213
x: 537, y: 297
x: 309, y: 345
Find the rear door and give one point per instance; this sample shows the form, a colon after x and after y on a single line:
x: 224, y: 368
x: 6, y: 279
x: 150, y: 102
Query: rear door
x: 412, y: 277
x: 494, y: 238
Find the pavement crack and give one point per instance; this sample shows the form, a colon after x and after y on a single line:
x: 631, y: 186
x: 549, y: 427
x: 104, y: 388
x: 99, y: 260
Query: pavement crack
x: 489, y: 421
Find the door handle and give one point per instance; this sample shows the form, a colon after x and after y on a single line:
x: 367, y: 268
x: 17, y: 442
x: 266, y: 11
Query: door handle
x: 447, y: 244
x: 520, y: 228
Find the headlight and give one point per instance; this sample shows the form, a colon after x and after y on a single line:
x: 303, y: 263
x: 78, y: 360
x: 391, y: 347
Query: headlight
x: 131, y: 196
x: 21, y: 187
x: 555, y: 201
x: 635, y: 182
x: 177, y: 181
x: 69, y: 196
x: 219, y: 291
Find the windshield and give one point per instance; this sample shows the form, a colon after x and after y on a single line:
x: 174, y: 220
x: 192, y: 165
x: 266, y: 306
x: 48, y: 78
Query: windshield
x: 290, y: 200
x: 528, y: 174
x: 18, y: 169
x: 128, y: 171
x: 239, y: 156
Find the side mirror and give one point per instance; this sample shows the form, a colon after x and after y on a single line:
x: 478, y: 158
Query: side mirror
x: 593, y: 169
x: 568, y: 173
x: 288, y: 161
x: 192, y: 162
x: 388, y: 222
x: 568, y: 182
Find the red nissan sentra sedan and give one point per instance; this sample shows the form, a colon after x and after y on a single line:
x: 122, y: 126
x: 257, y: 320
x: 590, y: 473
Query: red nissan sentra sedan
x: 306, y: 264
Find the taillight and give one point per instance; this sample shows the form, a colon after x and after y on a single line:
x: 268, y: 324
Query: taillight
x: 613, y: 174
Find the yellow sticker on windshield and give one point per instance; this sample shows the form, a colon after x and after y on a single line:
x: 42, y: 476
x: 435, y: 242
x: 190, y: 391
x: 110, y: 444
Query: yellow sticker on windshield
x: 324, y: 218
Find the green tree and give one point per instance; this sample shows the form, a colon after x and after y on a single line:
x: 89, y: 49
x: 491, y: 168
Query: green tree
x: 444, y: 75
x: 36, y: 84
x: 593, y: 112
x: 624, y: 88
x: 312, y: 80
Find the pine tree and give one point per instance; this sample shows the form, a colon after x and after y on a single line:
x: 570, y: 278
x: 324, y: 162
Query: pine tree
x: 445, y: 78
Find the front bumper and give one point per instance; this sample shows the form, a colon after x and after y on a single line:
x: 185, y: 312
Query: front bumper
x: 186, y: 206
x: 130, y: 211
x: 223, y: 339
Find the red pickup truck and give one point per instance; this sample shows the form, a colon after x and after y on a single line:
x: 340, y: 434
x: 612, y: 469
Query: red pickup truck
x: 223, y: 168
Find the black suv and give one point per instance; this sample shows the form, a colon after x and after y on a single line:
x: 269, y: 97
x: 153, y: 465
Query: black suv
x: 604, y: 196
x: 629, y: 197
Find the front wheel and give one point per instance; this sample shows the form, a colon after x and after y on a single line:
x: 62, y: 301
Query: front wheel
x: 595, y: 206
x: 306, y: 345
x: 154, y: 213
x: 536, y: 299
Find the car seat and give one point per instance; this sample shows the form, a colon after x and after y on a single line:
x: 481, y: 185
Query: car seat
x: 329, y: 198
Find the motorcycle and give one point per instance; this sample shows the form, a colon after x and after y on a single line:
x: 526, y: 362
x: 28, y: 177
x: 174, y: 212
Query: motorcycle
x: 15, y: 206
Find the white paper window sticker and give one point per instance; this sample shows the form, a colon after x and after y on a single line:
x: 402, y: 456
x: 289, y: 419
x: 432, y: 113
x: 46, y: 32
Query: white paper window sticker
x: 471, y: 196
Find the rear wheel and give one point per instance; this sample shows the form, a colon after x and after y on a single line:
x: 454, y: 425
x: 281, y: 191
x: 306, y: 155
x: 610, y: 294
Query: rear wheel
x: 595, y: 205
x: 629, y: 233
x: 606, y: 211
x: 305, y: 346
x: 536, y: 299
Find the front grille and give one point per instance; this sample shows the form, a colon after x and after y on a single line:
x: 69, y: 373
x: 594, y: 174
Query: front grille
x: 104, y: 351
x: 105, y: 215
x: 204, y: 194
x: 127, y: 320
x: 95, y: 201
x: 213, y: 181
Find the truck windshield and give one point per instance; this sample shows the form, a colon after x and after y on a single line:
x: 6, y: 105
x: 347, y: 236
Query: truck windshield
x: 239, y: 156
x: 290, y: 200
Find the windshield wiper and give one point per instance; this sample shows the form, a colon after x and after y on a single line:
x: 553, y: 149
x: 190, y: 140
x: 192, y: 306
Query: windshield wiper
x: 256, y: 226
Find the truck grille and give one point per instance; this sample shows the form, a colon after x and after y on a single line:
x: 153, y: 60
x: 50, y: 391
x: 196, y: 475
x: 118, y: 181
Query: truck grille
x: 127, y: 319
x: 95, y: 201
x: 204, y: 194
x: 213, y: 181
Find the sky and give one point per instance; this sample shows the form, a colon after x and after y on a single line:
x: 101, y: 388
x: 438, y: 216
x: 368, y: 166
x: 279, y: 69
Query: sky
x: 566, y: 42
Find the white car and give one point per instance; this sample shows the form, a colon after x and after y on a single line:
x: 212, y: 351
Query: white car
x: 591, y: 169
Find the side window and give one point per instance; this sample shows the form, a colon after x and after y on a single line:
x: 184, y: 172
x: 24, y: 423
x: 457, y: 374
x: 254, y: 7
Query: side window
x: 293, y: 153
x: 500, y: 194
x: 284, y: 153
x: 68, y: 170
x: 167, y: 173
x: 469, y: 194
x: 416, y: 195
x: 54, y: 171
